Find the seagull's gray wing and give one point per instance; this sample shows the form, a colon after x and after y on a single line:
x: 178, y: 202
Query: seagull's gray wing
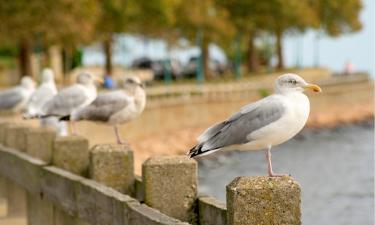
x: 235, y: 130
x: 104, y: 106
x: 65, y: 101
x: 10, y: 98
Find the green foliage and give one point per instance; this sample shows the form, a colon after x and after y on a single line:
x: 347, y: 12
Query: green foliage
x: 338, y: 16
x: 264, y: 92
x: 47, y: 21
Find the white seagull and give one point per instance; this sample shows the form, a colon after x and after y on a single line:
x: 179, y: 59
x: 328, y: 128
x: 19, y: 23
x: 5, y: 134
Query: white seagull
x: 72, y: 98
x: 116, y: 107
x: 262, y: 124
x: 16, y: 98
x: 42, y: 94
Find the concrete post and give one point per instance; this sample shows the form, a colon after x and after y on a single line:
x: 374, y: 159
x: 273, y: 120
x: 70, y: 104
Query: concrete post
x: 263, y: 200
x: 16, y: 199
x: 15, y: 137
x: 3, y: 127
x: 170, y: 184
x: 3, y: 196
x: 39, y: 143
x: 71, y: 153
x: 113, y: 166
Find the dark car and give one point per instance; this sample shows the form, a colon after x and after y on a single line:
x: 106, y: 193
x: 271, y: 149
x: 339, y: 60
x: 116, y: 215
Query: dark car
x: 159, y: 67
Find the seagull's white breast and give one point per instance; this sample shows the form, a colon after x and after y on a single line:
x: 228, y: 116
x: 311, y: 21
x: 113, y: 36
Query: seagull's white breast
x: 297, y: 109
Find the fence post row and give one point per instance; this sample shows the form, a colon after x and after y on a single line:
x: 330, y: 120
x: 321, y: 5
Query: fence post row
x: 168, y: 184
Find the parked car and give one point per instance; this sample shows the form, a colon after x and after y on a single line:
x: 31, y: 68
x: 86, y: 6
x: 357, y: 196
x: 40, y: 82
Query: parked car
x: 190, y: 70
x: 159, y: 67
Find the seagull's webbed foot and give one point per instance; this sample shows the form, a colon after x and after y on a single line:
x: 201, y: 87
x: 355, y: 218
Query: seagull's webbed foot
x: 272, y: 174
x: 122, y: 142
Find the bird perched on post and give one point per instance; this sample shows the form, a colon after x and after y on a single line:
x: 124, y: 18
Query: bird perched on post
x: 116, y: 107
x: 72, y: 98
x: 16, y: 98
x: 262, y: 124
x: 42, y: 94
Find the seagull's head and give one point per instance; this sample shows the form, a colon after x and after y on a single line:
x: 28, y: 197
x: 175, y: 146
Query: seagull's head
x: 86, y: 78
x: 27, y: 83
x: 133, y: 82
x: 47, y: 75
x: 292, y: 82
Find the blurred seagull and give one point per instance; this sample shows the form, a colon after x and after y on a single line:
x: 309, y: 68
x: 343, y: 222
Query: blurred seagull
x: 116, y: 107
x: 72, y: 98
x: 262, y: 124
x: 42, y: 94
x: 16, y: 98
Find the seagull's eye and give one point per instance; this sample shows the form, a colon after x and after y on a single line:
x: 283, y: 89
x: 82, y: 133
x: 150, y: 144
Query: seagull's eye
x: 294, y: 81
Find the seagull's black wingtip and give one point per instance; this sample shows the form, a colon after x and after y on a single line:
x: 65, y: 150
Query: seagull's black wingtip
x: 196, y: 150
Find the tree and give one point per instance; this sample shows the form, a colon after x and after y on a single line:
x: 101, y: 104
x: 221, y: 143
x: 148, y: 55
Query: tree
x: 336, y: 17
x: 289, y: 15
x: 44, y: 22
x: 207, y: 18
x: 249, y: 18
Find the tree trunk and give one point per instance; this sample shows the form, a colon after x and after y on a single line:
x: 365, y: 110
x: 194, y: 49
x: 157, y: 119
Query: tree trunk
x: 25, y: 57
x: 252, y: 63
x: 206, y: 58
x: 279, y: 50
x: 108, y: 55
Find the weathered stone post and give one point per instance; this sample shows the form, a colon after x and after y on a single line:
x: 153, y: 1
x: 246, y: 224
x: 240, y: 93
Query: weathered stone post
x: 3, y: 127
x: 70, y: 153
x: 263, y: 200
x: 170, y: 184
x: 3, y: 180
x: 113, y: 165
x: 39, y: 144
x: 15, y: 137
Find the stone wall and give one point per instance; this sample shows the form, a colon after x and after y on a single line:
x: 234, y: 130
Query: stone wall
x: 54, y: 180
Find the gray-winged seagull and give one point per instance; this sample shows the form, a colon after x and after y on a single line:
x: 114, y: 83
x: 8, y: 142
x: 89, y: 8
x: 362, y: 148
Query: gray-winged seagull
x: 72, y: 98
x: 116, y: 107
x: 262, y: 124
x: 16, y: 98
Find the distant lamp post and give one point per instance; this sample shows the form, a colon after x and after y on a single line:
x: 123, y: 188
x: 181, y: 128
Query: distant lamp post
x: 167, y: 71
x: 316, y: 49
x: 269, y: 53
x: 237, y: 58
x: 200, y: 70
x: 299, y: 51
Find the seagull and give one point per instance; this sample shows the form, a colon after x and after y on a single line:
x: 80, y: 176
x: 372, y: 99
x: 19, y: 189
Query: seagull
x: 16, y: 98
x: 42, y: 94
x: 45, y: 91
x: 116, y: 107
x: 262, y: 124
x: 72, y: 98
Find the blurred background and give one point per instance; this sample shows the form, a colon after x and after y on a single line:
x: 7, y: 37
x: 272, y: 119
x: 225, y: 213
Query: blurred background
x: 203, y: 60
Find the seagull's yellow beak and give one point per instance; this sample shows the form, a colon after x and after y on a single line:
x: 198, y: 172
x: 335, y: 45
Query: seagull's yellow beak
x: 313, y: 87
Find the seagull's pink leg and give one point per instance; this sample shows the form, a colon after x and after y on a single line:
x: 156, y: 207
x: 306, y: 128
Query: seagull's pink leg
x: 73, y: 128
x: 119, y: 141
x: 269, y: 161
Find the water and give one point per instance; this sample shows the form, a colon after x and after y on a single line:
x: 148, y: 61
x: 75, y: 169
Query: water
x: 334, y: 168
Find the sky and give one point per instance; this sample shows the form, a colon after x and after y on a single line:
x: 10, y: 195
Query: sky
x: 359, y: 48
